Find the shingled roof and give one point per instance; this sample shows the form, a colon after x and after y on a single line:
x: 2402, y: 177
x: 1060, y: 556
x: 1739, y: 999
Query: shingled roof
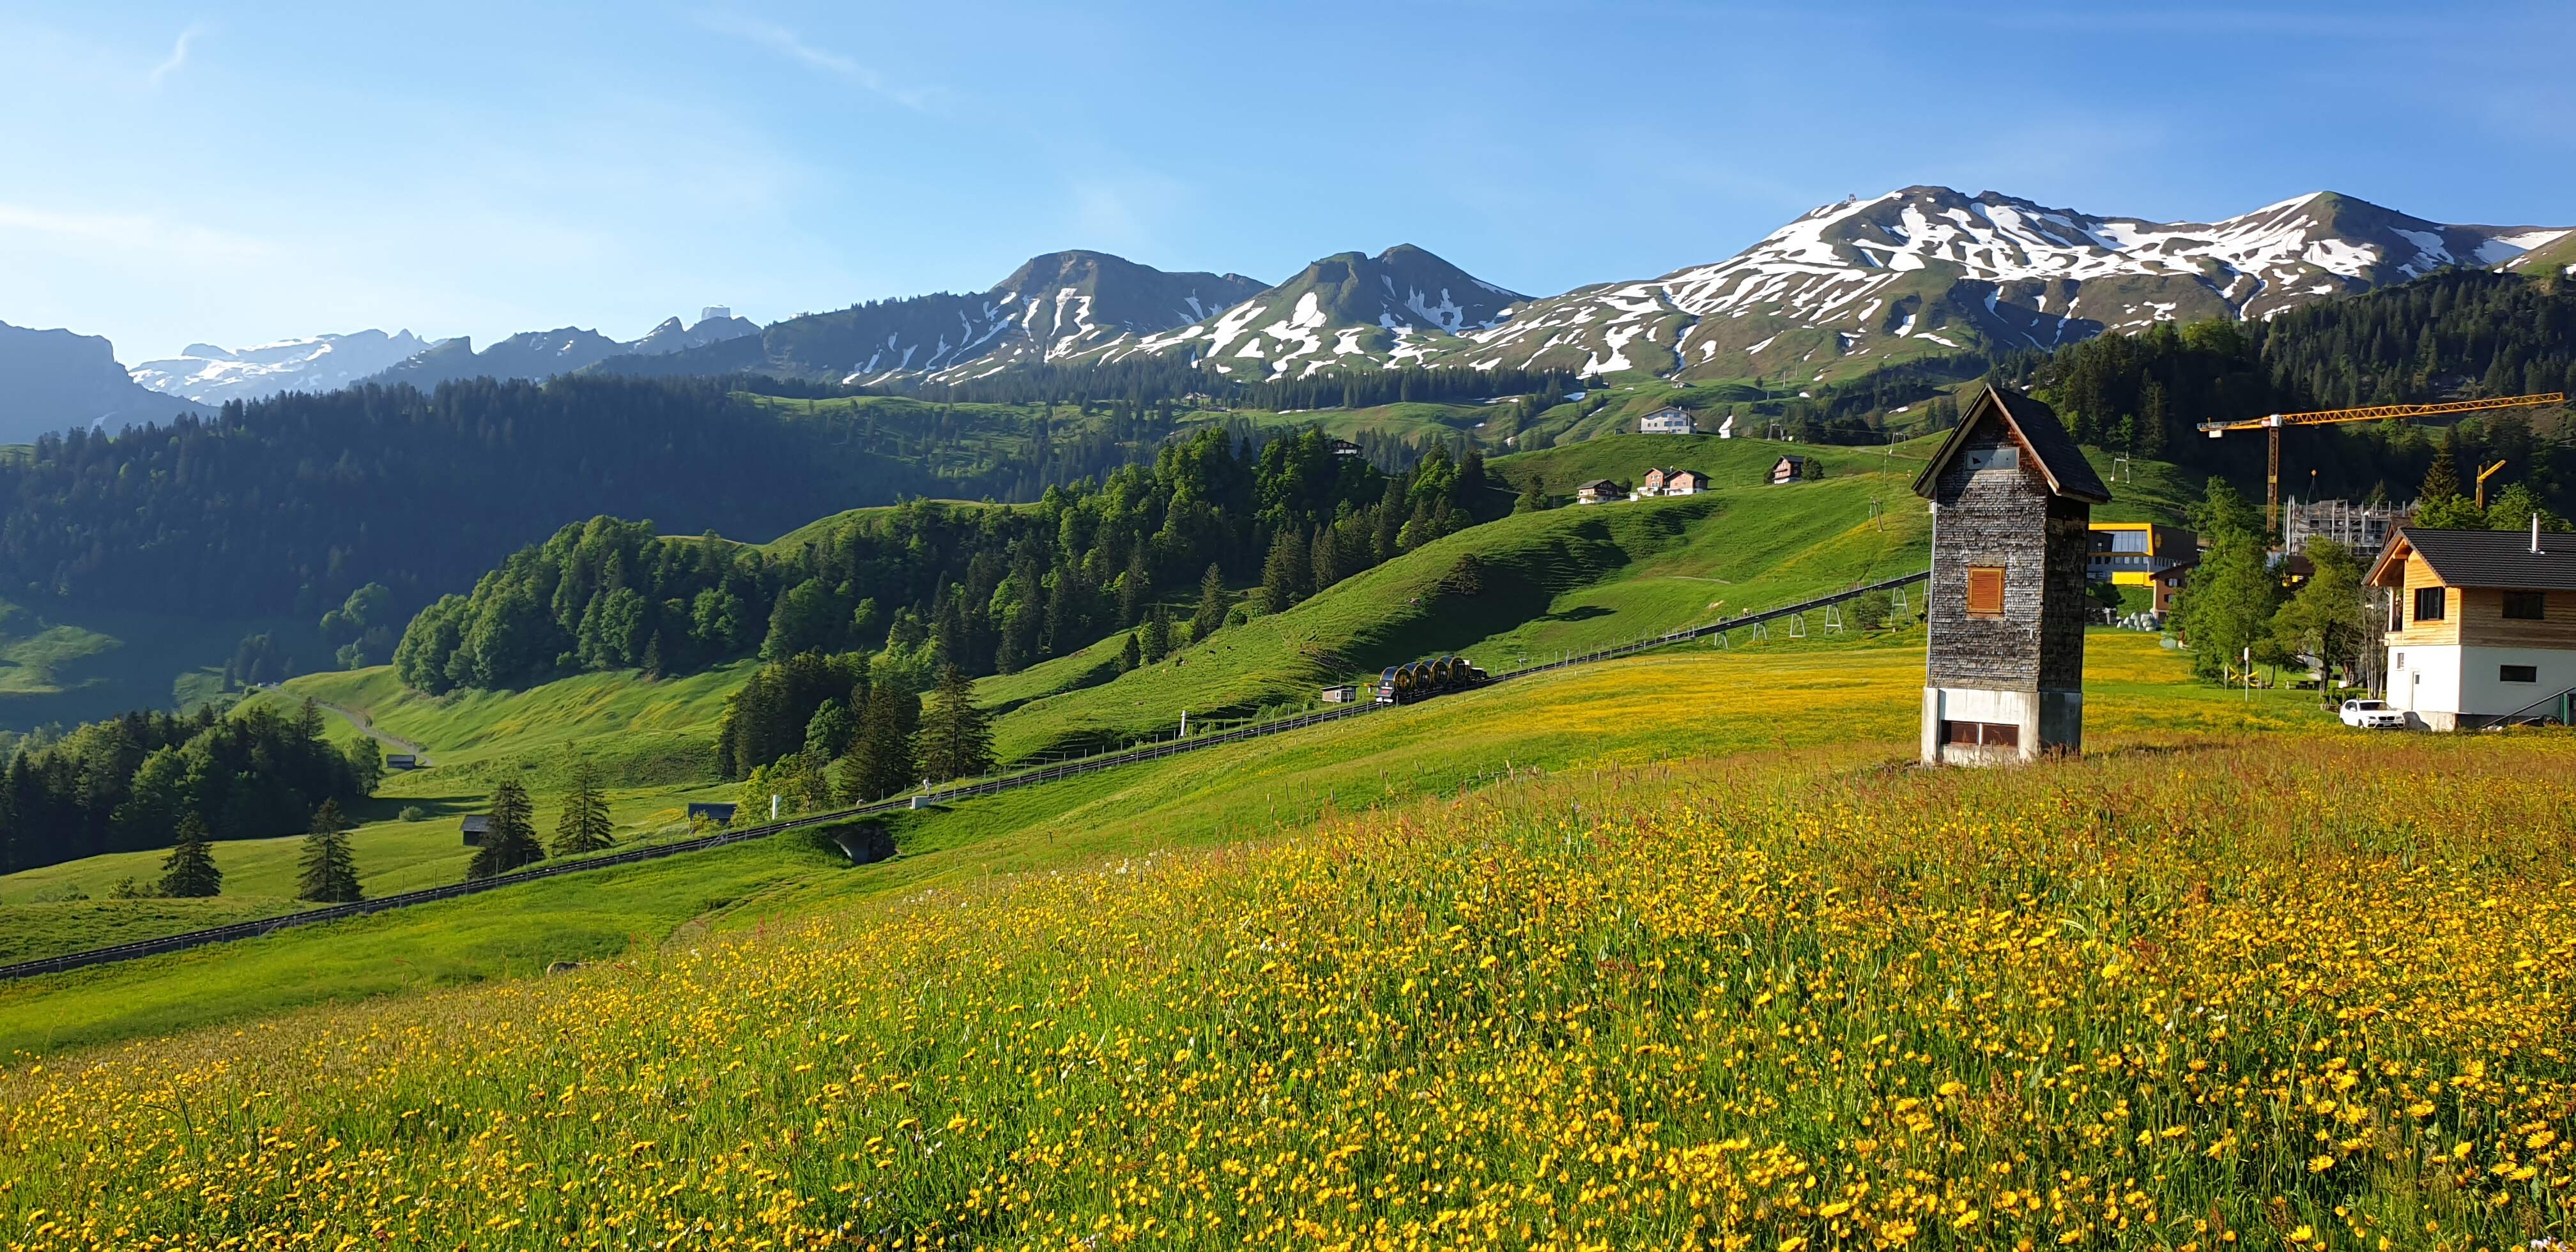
x: 2036, y: 426
x: 2484, y: 558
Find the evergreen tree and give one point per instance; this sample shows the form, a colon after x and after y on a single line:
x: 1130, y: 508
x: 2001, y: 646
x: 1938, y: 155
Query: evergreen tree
x: 510, y: 837
x: 2438, y: 503
x: 584, y: 826
x: 830, y: 732
x: 1533, y: 497
x: 881, y: 760
x: 190, y: 871
x: 329, y: 873
x: 2227, y: 606
x: 1210, y: 617
x: 1131, y: 656
x: 1285, y: 572
x: 1158, y: 634
x: 956, y: 741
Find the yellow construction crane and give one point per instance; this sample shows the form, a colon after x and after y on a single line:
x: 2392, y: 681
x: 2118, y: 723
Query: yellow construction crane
x: 2486, y: 472
x: 2324, y: 417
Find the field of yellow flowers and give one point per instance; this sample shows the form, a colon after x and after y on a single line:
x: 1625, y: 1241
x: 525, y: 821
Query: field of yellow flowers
x: 2301, y: 991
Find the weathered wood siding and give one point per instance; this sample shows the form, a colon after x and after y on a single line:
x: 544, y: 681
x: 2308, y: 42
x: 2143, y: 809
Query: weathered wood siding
x: 2005, y: 515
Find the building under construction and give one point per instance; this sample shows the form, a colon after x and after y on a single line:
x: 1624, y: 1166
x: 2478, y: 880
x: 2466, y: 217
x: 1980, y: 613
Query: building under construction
x: 2359, y: 527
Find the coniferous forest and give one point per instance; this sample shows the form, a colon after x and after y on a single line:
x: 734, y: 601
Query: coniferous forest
x: 128, y: 782
x: 985, y: 588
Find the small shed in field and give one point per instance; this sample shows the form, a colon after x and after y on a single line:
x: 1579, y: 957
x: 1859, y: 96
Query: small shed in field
x: 2012, y: 498
x: 1341, y: 693
x: 402, y: 760
x: 475, y: 826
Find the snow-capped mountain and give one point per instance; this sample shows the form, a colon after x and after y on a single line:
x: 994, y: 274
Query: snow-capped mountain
x: 212, y: 375
x: 54, y: 380
x: 1928, y: 270
x: 1396, y: 307
x: 1056, y: 307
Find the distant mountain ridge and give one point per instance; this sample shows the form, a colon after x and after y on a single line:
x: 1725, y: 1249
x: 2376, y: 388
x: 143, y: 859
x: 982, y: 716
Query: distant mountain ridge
x: 1059, y: 306
x: 212, y: 375
x: 546, y: 353
x: 1925, y: 270
x: 55, y: 380
x: 1846, y: 288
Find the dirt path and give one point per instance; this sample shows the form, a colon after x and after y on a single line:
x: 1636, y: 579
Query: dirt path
x: 368, y: 728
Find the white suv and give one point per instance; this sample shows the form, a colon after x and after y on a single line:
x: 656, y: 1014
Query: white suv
x: 2372, y: 713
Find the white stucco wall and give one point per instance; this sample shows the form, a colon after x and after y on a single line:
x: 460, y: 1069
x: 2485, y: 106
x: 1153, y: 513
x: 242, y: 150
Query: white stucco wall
x: 2452, y: 679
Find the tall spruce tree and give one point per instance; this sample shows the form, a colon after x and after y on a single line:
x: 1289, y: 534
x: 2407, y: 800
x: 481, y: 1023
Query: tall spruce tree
x: 1158, y: 634
x: 510, y: 839
x: 1285, y: 572
x: 584, y: 826
x: 1210, y: 617
x: 956, y: 741
x: 881, y: 761
x: 330, y: 873
x: 189, y: 871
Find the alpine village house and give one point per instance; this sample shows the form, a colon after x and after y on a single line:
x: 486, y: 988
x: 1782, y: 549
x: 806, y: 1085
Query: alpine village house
x: 2481, y: 624
x: 2012, y: 498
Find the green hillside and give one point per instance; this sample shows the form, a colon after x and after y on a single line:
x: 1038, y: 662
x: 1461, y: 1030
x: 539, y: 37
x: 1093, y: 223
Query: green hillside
x: 73, y: 666
x: 1530, y: 585
x: 1848, y: 691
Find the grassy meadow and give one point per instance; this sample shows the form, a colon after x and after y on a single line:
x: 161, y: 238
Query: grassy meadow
x: 1679, y: 704
x: 2261, y: 987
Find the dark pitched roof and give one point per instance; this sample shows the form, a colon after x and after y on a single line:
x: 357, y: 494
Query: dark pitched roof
x: 1597, y: 483
x: 2488, y: 558
x: 1791, y: 459
x: 478, y: 823
x: 2036, y: 425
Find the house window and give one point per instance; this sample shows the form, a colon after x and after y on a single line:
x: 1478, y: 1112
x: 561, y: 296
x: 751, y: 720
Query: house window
x: 1981, y: 734
x: 2526, y: 606
x: 2397, y: 661
x: 1985, y: 591
x: 2517, y: 673
x: 2428, y: 603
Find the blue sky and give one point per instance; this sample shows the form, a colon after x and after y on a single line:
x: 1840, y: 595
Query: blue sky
x: 179, y: 172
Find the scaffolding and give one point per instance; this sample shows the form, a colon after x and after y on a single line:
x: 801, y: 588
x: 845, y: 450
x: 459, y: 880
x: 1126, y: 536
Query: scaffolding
x: 2360, y: 527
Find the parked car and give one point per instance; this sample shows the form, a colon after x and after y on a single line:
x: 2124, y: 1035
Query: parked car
x: 2369, y: 713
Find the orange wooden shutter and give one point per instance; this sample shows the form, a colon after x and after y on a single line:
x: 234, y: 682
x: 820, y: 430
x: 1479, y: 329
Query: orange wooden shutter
x: 1985, y: 591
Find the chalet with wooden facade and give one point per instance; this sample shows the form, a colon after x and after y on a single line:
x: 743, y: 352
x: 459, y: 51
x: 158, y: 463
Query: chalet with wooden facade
x: 1653, y: 483
x: 2481, y: 624
x: 1685, y: 483
x: 1667, y: 421
x: 1788, y: 469
x: 1599, y: 491
x: 2011, y: 499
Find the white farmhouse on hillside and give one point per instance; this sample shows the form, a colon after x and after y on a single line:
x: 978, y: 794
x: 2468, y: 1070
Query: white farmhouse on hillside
x: 1667, y: 421
x: 2481, y: 624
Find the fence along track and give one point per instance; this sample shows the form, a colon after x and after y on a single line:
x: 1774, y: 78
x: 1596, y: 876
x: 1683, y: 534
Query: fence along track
x: 943, y: 795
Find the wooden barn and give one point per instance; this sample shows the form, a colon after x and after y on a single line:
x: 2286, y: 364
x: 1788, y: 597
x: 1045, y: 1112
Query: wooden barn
x: 474, y: 827
x: 2012, y: 499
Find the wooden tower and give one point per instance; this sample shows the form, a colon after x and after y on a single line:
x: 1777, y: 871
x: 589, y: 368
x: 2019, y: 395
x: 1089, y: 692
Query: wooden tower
x: 2011, y: 497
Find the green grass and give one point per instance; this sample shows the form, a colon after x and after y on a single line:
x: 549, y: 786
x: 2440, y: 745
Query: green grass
x: 1685, y: 702
x: 1563, y: 579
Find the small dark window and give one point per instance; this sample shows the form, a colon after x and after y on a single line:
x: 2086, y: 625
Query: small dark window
x: 2428, y: 603
x: 2526, y: 606
x: 1985, y: 591
x: 2517, y: 673
x: 1981, y: 734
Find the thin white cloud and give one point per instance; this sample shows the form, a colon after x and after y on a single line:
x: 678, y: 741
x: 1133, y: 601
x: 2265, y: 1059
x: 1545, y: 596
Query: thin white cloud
x: 130, y: 233
x: 178, y: 55
x: 796, y: 47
